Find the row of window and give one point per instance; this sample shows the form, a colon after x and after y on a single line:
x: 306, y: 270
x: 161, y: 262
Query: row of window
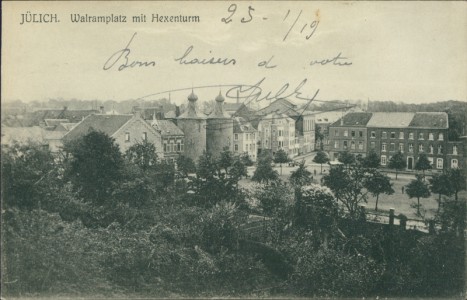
x: 171, y: 146
x: 353, y: 133
x: 421, y: 148
x: 421, y: 135
x: 248, y: 136
x: 251, y: 147
x: 439, y: 162
x: 345, y: 145
x: 144, y: 136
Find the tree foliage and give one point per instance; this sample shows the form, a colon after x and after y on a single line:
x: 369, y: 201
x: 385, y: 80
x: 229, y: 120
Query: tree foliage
x: 264, y: 171
x: 372, y: 160
x: 418, y: 189
x: 95, y: 165
x: 281, y: 157
x: 346, y: 158
x: 321, y: 158
x: 423, y: 163
x: 378, y: 183
x: 397, y: 162
x: 301, y: 176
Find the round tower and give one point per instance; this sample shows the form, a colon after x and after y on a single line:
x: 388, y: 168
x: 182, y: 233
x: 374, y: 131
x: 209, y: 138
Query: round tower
x: 219, y: 129
x: 193, y: 124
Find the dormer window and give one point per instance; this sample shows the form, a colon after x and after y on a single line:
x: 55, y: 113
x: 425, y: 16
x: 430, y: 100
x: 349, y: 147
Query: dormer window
x: 127, y: 136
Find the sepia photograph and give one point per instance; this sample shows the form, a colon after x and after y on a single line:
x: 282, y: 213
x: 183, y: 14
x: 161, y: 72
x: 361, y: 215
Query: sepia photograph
x: 233, y: 150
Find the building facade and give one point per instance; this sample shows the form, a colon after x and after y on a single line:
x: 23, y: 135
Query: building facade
x: 277, y: 131
x: 244, y: 138
x: 349, y: 134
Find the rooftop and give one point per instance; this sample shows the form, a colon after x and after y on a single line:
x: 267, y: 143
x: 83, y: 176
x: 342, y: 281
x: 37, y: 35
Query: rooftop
x: 391, y: 119
x: 430, y: 120
x: 167, y: 127
x: 354, y: 119
x: 108, y: 124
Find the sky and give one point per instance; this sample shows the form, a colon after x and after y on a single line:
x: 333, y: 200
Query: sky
x: 412, y: 52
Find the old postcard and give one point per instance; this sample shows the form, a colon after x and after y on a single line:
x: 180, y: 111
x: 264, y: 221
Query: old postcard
x: 249, y: 149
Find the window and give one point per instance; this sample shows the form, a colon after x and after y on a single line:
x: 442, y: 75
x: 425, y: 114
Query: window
x: 401, y: 147
x: 383, y: 147
x: 411, y: 136
x: 345, y: 145
x: 181, y: 145
x: 430, y: 136
x: 236, y: 136
x: 420, y: 148
x: 420, y: 136
x: 165, y: 146
x: 383, y: 160
x: 440, y: 149
x: 127, y: 136
x: 440, y: 137
x: 236, y: 147
x: 401, y: 135
x: 373, y: 145
x: 336, y: 132
x: 393, y: 135
x: 352, y: 145
x: 360, y: 133
x: 280, y: 133
x: 439, y: 163
x: 410, y: 147
x: 454, y: 150
x: 145, y: 136
x: 384, y: 135
x: 360, y: 145
x: 454, y: 163
x: 392, y: 147
x: 353, y: 133
x: 431, y: 149
x: 346, y: 132
x: 253, y: 136
x: 373, y: 134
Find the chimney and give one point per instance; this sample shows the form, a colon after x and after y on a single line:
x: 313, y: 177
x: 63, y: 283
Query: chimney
x: 101, y: 109
x: 177, y: 111
x: 342, y: 121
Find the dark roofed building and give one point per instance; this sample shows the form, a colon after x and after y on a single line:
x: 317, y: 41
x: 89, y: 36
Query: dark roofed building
x: 38, y: 117
x: 430, y: 120
x: 349, y: 134
x: 173, y: 138
x: 125, y: 129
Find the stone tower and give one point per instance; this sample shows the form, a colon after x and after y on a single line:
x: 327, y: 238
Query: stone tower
x: 219, y: 129
x: 193, y: 124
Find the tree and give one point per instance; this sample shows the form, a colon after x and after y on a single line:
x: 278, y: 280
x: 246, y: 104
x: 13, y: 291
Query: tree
x: 457, y: 181
x: 423, y: 163
x: 319, y: 136
x: 440, y: 184
x: 377, y: 184
x: 26, y: 171
x: 372, y: 160
x: 346, y: 158
x: 418, y: 189
x: 246, y: 159
x: 95, y: 164
x: 347, y: 185
x: 281, y: 157
x: 273, y: 197
x: 226, y: 159
x: 321, y: 158
x: 300, y: 176
x: 143, y: 154
x: 264, y: 171
x: 185, y: 165
x: 397, y: 162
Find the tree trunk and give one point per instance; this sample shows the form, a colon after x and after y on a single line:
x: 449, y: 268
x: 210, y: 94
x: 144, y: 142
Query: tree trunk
x: 376, y: 207
x: 418, y: 205
x: 396, y: 174
x: 281, y: 168
x: 321, y: 169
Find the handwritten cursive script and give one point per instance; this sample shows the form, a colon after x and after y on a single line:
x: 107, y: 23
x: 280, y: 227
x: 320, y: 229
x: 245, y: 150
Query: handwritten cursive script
x: 186, y: 60
x: 122, y: 59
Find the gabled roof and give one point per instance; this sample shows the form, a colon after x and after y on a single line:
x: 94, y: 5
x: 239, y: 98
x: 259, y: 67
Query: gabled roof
x: 241, y: 125
x: 167, y: 127
x: 430, y: 120
x: 391, y: 119
x: 328, y: 117
x: 281, y: 106
x: 360, y: 119
x: 108, y: 124
x: 54, y: 122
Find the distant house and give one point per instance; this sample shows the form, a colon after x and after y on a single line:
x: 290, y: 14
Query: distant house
x: 39, y: 117
x: 173, y: 138
x: 245, y: 138
x: 323, y: 119
x: 22, y: 135
x: 277, y: 131
x: 147, y: 113
x: 127, y: 130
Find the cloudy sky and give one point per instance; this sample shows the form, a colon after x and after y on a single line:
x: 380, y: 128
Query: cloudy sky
x: 408, y: 52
